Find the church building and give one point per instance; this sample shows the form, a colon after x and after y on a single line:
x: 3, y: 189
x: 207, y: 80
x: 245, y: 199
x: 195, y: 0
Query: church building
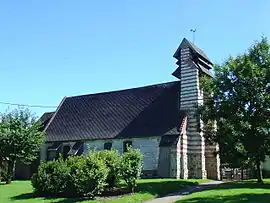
x: 159, y: 119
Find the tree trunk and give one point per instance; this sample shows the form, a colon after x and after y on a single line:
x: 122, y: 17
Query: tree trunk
x: 259, y: 172
x: 10, y: 167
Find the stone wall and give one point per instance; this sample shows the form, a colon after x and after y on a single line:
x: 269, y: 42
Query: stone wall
x: 178, y: 160
x: 212, y: 161
x: 183, y: 151
x: 43, y: 152
x: 164, y: 162
x: 174, y: 162
x: 148, y: 146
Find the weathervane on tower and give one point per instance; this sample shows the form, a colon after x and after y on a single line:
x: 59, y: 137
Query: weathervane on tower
x: 193, y: 36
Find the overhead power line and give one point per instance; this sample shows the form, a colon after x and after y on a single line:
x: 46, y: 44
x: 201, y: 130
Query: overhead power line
x: 27, y: 105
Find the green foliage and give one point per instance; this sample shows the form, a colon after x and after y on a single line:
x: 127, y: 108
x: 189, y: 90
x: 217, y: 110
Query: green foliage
x: 131, y: 166
x: 238, y: 102
x: 87, y: 175
x: 112, y: 161
x: 20, y: 138
x: 77, y: 176
x: 52, y: 178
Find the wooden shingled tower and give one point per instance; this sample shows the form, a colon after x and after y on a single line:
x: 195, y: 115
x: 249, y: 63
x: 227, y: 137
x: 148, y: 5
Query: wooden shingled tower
x: 197, y: 158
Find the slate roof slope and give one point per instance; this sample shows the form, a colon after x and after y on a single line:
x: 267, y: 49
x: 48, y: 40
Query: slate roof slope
x: 200, y: 52
x: 138, y: 112
x: 195, y: 49
x: 45, y: 118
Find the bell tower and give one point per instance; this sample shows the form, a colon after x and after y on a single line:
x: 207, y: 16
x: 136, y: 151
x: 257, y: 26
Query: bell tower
x: 198, y: 158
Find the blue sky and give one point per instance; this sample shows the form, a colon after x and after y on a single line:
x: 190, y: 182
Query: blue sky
x: 51, y: 49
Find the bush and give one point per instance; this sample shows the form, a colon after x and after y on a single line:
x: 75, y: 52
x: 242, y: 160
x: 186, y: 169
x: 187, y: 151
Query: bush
x: 87, y: 175
x: 112, y: 160
x: 131, y: 166
x: 77, y: 176
x: 52, y: 178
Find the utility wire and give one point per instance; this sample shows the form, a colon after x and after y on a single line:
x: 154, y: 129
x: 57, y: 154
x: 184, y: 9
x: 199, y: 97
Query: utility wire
x: 27, y: 105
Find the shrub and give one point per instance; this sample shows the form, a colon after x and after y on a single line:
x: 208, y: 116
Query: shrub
x: 111, y: 159
x: 52, y: 178
x: 77, y: 176
x: 131, y: 166
x: 87, y: 175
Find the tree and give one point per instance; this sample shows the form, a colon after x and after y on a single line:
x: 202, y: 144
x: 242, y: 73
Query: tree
x: 236, y: 110
x: 20, y: 137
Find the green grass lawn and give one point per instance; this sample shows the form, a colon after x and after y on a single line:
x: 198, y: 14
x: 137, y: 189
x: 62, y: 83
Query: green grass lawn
x: 236, y: 192
x: 22, y: 191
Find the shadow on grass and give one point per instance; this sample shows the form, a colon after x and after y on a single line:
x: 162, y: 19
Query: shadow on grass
x: 228, y: 195
x: 24, y: 196
x: 163, y: 187
x: 155, y: 188
x: 29, y: 196
x: 242, y: 198
x: 243, y: 184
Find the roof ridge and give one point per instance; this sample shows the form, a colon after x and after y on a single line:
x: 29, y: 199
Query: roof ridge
x: 121, y: 90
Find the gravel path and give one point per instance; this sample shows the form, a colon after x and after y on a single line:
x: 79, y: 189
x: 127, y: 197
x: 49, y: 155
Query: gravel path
x: 170, y: 198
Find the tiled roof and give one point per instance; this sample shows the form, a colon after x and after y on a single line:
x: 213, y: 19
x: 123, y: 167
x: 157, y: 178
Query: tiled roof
x: 138, y: 112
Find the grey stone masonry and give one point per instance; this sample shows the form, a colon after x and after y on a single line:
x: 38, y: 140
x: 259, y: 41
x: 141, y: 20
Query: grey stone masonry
x: 183, y: 151
x: 212, y: 162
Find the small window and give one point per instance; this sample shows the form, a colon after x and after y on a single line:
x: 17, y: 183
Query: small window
x: 126, y: 145
x: 53, y: 151
x: 66, y: 150
x: 108, y: 146
x: 77, y: 149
